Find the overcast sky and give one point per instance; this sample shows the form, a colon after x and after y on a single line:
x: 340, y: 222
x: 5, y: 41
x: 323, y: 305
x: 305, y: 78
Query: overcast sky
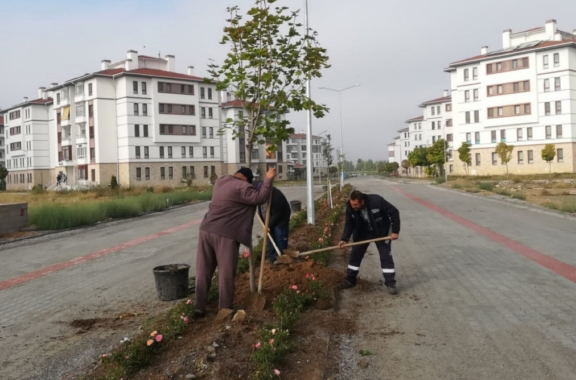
x: 395, y: 49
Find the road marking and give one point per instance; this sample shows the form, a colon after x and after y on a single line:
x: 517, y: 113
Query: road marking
x: 91, y: 256
x: 538, y: 257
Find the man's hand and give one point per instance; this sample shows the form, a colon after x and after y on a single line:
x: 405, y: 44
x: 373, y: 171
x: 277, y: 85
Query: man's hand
x: 342, y: 243
x: 394, y: 236
x: 271, y: 173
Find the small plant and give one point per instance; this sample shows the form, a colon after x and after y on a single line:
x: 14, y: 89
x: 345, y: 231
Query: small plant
x: 365, y: 353
x: 488, y: 186
x: 38, y: 189
x: 440, y: 180
x: 551, y: 205
x: 113, y: 183
x: 520, y: 196
x: 456, y: 186
x: 472, y: 190
x: 503, y: 192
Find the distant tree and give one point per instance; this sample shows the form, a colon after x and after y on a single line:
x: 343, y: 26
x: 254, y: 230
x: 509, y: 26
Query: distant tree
x: 504, y: 151
x: 548, y: 155
x: 3, y: 175
x: 418, y: 157
x: 113, y: 183
x: 333, y: 169
x: 392, y: 167
x: 359, y: 164
x: 406, y: 165
x: 464, y: 155
x: 436, y: 155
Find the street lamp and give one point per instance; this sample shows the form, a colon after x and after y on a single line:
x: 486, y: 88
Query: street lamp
x: 321, y: 159
x: 341, y: 138
x: 311, y: 216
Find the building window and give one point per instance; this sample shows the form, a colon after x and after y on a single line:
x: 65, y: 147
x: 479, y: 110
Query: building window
x: 90, y: 110
x: 526, y: 85
x: 494, y: 158
x: 545, y: 61
x: 170, y: 172
x: 211, y: 129
x: 514, y: 63
x: 183, y: 152
x: 477, y: 159
x: 144, y: 109
x: 527, y: 109
x: 205, y: 171
x: 209, y: 93
x: 210, y: 113
x: 517, y: 110
x: 476, y: 116
x: 546, y: 85
x: 448, y: 122
x: 184, y: 172
x: 433, y: 125
x: 502, y: 135
x: 136, y: 111
x: 146, y: 152
x: 560, y: 155
x: 516, y: 86
x: 520, y: 157
x: 203, y: 112
x: 135, y: 87
x: 211, y: 152
x: 475, y: 94
x: 559, y: 131
x: 493, y: 136
x: 468, y: 138
x: 474, y: 73
x: 490, y: 113
x: 138, y: 174
x: 490, y: 90
x: 499, y: 67
x: 449, y: 107
x: 89, y: 89
x: 137, y: 152
x: 547, y: 108
x: 500, y: 111
x: 548, y: 132
x: 205, y: 152
x: 202, y: 93
x: 255, y: 154
x: 438, y: 110
x: 143, y: 88
x: 161, y: 152
x: 489, y: 69
x: 467, y: 117
x: 136, y: 130
x: 557, y: 86
x: 556, y: 59
x: 162, y: 173
x: 477, y: 137
x: 558, y: 107
x: 466, y: 75
x: 92, y: 154
x: 433, y: 111
x: 519, y: 134
x: 145, y: 130
x: 530, y: 156
x: 467, y: 96
x: 529, y: 133
x: 169, y: 152
x: 500, y: 89
x: 147, y: 174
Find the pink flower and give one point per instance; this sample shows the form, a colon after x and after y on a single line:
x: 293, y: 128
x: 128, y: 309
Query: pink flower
x: 294, y: 287
x: 276, y: 372
x: 158, y: 338
x: 271, y: 341
x: 188, y: 301
x: 104, y: 355
x: 321, y: 240
x: 185, y: 319
x: 326, y: 230
x: 273, y: 331
x: 153, y: 334
x: 307, y: 275
x: 150, y: 342
x: 245, y: 254
x: 257, y: 345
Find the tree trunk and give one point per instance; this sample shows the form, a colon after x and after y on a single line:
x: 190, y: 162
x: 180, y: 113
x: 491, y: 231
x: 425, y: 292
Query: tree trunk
x: 251, y: 256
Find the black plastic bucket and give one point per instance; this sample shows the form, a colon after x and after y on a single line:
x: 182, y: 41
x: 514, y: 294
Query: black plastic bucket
x: 295, y: 206
x: 171, y: 281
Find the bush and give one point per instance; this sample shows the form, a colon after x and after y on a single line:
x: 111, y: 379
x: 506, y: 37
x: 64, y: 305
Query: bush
x: 113, y: 183
x: 488, y: 186
x: 520, y: 196
x: 568, y: 207
x: 503, y: 192
x: 166, y: 189
x: 456, y: 186
x: 38, y: 189
x: 440, y: 180
x: 551, y: 205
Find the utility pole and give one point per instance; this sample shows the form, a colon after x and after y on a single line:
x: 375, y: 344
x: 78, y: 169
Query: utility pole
x: 309, y: 167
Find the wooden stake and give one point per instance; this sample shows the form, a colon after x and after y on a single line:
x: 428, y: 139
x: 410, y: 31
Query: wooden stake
x: 265, y: 240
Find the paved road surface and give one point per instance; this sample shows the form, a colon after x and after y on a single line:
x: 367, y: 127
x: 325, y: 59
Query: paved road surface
x: 98, y: 272
x: 487, y: 292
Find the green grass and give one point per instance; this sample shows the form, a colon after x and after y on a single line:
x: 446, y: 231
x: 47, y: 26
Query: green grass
x: 520, y: 196
x: 488, y: 186
x: 440, y: 180
x: 568, y: 207
x: 62, y: 216
x: 506, y: 193
x: 456, y: 186
x: 551, y: 205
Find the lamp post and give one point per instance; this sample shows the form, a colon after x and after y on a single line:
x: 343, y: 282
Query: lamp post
x: 309, y: 173
x: 322, y: 159
x: 341, y: 138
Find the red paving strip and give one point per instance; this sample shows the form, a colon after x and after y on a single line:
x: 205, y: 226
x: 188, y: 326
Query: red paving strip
x: 91, y: 256
x: 538, y: 257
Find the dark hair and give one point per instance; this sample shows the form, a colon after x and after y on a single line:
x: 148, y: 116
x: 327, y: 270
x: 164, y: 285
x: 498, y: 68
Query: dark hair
x: 357, y: 196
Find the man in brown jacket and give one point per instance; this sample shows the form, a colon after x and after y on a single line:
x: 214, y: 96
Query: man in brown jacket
x: 226, y: 225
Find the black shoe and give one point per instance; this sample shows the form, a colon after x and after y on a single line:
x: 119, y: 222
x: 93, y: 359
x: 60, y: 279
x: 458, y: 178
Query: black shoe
x: 199, y: 313
x: 346, y: 285
x: 392, y: 289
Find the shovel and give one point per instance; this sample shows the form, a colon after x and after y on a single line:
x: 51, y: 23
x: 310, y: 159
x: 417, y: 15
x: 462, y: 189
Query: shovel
x: 281, y: 258
x: 344, y: 246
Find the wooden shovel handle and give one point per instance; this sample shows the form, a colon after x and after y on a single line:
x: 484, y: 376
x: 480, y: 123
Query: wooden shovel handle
x: 344, y: 246
x: 268, y: 206
x: 269, y: 236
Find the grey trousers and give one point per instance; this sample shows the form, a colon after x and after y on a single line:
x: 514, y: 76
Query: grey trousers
x: 215, y: 251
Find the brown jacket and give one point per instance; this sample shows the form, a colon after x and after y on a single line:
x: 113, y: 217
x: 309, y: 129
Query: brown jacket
x: 231, y: 212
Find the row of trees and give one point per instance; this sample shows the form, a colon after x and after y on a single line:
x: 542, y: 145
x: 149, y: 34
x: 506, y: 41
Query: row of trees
x: 431, y: 158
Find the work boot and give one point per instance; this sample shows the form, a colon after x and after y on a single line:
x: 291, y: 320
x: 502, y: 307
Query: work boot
x: 199, y: 313
x: 392, y: 289
x: 346, y: 285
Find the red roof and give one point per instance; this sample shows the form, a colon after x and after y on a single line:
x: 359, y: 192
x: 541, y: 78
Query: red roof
x: 149, y: 72
x: 35, y: 101
x: 419, y: 118
x: 109, y: 72
x: 234, y: 103
x: 541, y: 45
x: 148, y: 57
x: 302, y: 136
x: 443, y: 99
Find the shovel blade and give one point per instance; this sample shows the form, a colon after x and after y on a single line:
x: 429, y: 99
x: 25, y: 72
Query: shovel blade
x: 256, y: 302
x: 290, y: 253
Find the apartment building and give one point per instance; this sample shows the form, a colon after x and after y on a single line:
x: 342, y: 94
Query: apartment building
x: 523, y: 95
x: 234, y: 148
x: 403, y: 143
x: 2, y: 149
x: 392, y: 152
x: 297, y: 153
x: 26, y: 143
x: 139, y: 120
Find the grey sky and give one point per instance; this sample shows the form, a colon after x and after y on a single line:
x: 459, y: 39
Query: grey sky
x: 395, y: 49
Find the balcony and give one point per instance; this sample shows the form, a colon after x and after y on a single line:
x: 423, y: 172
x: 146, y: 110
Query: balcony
x: 66, y: 163
x: 81, y: 138
x: 84, y: 160
x: 65, y: 122
x: 80, y: 118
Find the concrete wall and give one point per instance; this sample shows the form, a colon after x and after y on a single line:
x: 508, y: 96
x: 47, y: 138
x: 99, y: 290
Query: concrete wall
x: 13, y: 217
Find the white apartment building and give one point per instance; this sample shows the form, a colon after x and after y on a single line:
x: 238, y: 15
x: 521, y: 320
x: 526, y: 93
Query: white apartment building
x: 27, y: 142
x: 234, y: 149
x: 2, y: 148
x: 296, y: 152
x: 392, y: 152
x: 139, y: 120
x: 523, y: 95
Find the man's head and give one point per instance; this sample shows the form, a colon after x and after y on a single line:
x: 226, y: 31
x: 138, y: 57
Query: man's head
x: 357, y: 200
x: 245, y: 174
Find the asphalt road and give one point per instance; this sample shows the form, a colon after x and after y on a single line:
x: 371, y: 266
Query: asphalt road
x: 98, y: 272
x: 487, y: 292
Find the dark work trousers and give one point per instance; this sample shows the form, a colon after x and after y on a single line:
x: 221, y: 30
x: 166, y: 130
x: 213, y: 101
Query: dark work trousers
x: 386, y: 261
x: 280, y: 236
x: 215, y: 251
